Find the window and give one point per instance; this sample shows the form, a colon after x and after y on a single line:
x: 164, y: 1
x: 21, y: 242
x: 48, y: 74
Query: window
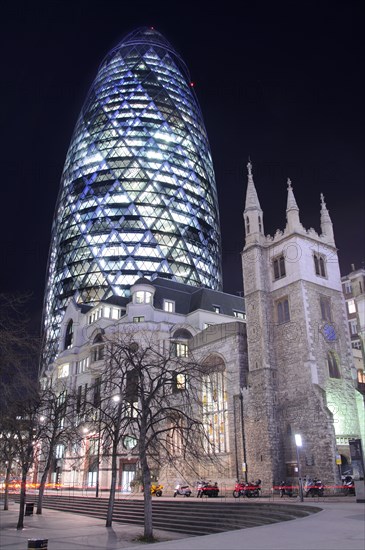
x: 97, y: 353
x: 353, y: 327
x: 325, y: 304
x: 214, y: 398
x: 138, y: 319
x: 351, y: 306
x: 247, y: 225
x: 97, y: 391
x: 131, y: 390
x: 319, y: 265
x: 333, y: 367
x: 180, y: 349
x: 260, y: 225
x: 282, y: 308
x: 356, y: 344
x: 179, y: 383
x: 69, y: 335
x: 63, y: 370
x: 143, y: 297
x: 216, y: 309
x: 169, y: 305
x: 348, y: 287
x: 239, y: 314
x: 361, y: 376
x: 59, y: 451
x: 82, y: 365
x: 279, y: 267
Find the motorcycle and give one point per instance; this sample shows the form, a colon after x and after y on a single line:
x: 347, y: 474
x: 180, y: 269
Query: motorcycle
x: 239, y: 489
x: 156, y: 489
x: 183, y: 490
x: 207, y: 489
x: 253, y: 489
x: 348, y: 485
x: 248, y: 490
x: 313, y: 487
x: 285, y: 489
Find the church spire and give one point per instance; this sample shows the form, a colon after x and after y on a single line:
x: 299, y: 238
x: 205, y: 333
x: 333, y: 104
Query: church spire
x: 326, y: 223
x: 252, y: 200
x: 253, y: 216
x: 292, y: 211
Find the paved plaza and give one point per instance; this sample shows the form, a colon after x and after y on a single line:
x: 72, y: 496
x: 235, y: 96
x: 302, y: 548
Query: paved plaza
x: 339, y: 526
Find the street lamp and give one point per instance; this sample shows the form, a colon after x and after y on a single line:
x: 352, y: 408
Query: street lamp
x: 298, y: 443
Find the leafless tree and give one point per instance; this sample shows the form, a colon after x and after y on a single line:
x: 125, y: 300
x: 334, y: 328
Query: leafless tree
x: 57, y: 415
x: 151, y: 393
x: 19, y: 354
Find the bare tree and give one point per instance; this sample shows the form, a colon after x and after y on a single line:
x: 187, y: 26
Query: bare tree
x: 19, y: 353
x: 57, y: 415
x: 153, y: 394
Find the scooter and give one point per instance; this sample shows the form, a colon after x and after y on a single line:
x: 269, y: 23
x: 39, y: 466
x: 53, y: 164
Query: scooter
x: 156, y: 489
x: 285, y: 489
x: 183, y: 490
x: 313, y: 487
x: 348, y: 485
x: 207, y: 489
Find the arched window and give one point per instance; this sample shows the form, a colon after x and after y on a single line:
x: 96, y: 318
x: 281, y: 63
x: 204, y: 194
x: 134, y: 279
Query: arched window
x: 179, y: 344
x: 333, y: 368
x: 247, y: 225
x: 214, y: 398
x: 260, y: 224
x: 69, y: 334
x: 97, y: 352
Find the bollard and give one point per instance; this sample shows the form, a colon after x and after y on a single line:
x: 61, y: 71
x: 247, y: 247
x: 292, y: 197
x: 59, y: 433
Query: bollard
x: 37, y: 544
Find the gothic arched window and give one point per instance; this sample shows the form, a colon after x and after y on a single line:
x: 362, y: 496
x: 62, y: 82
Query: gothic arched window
x: 97, y: 352
x: 260, y: 224
x: 247, y: 225
x: 214, y: 397
x: 333, y: 368
x: 69, y: 334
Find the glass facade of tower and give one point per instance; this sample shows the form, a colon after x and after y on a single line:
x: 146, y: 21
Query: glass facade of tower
x: 138, y: 194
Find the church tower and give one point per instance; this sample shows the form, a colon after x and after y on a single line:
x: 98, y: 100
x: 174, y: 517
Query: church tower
x: 300, y: 377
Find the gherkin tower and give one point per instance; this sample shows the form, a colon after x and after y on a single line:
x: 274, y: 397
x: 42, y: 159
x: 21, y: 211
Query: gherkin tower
x: 138, y: 194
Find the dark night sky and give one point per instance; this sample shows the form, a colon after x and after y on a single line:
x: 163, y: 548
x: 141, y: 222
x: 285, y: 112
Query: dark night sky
x: 281, y: 82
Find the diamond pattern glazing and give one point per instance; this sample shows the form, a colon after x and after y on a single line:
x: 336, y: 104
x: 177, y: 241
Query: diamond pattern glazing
x: 138, y: 194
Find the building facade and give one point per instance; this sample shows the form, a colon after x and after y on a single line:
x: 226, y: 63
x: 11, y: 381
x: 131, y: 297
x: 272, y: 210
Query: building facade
x: 353, y: 287
x: 138, y: 194
x: 301, y: 379
x: 199, y: 321
x: 136, y: 248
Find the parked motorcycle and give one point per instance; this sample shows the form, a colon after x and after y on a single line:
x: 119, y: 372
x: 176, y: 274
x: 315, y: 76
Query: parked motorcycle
x: 348, y: 485
x: 239, y: 489
x: 313, y: 487
x: 156, y: 489
x: 207, y: 489
x: 253, y: 489
x: 286, y: 489
x: 183, y: 490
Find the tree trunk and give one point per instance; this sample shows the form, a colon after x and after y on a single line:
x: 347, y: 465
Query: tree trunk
x: 41, y: 489
x: 109, y: 515
x: 23, y: 486
x: 6, y: 494
x: 148, y: 525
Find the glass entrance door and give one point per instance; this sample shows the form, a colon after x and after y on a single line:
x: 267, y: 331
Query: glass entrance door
x: 128, y: 473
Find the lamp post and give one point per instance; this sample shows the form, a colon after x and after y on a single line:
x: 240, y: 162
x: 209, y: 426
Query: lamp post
x: 98, y: 459
x: 298, y: 443
x: 243, y: 436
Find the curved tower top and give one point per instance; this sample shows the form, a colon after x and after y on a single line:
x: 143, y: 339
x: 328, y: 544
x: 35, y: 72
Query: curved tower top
x: 138, y: 194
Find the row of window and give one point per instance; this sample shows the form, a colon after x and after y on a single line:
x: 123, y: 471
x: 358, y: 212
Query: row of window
x: 279, y: 269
